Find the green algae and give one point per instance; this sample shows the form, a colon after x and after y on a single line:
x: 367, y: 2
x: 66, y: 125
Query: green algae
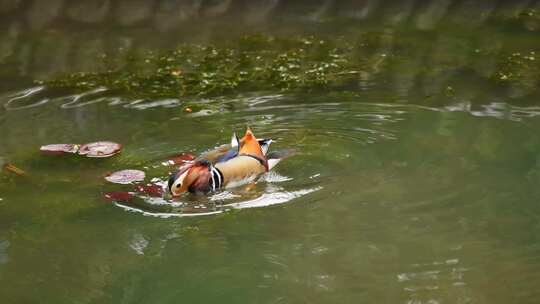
x: 304, y: 64
x: 252, y: 63
x: 521, y: 69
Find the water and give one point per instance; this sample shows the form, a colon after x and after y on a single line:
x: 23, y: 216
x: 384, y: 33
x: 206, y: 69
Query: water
x: 414, y: 182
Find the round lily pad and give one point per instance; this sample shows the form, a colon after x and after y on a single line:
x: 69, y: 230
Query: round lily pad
x: 100, y: 149
x: 125, y: 176
x: 58, y: 149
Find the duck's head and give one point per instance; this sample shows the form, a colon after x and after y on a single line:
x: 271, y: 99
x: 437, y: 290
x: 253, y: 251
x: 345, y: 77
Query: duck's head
x: 188, y: 177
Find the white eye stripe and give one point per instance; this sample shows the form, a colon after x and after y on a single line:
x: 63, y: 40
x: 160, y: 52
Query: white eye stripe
x: 219, y: 177
x: 180, y: 180
x: 216, y: 177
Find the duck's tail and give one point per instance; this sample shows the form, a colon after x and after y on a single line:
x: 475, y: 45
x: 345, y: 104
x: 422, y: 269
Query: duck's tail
x: 275, y: 157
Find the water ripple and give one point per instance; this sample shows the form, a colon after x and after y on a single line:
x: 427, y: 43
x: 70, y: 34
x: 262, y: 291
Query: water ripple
x: 499, y: 110
x: 217, y: 203
x: 25, y: 96
x: 273, y: 198
x: 78, y: 100
x: 426, y: 279
x: 144, y: 104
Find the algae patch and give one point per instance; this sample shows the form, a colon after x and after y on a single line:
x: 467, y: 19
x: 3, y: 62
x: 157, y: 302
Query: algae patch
x: 250, y: 63
x: 309, y: 63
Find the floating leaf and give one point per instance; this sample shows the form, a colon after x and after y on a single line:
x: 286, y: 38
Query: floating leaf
x: 179, y: 159
x: 59, y: 149
x: 119, y: 196
x: 125, y: 176
x: 11, y: 168
x: 100, y: 149
x: 150, y: 189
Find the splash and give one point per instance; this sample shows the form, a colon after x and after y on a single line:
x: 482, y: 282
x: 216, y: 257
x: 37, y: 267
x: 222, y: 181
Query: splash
x: 216, y: 204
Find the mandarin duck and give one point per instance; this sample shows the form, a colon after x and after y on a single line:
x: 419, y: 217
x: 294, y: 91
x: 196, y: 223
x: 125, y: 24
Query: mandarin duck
x: 242, y: 161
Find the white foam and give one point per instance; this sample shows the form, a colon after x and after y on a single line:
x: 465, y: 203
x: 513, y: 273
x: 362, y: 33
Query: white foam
x: 164, y: 214
x: 274, y: 177
x: 274, y: 198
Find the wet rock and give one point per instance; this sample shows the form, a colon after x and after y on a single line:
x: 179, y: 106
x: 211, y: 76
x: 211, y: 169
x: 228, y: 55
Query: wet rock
x: 431, y: 14
x: 131, y: 12
x: 42, y: 13
x: 216, y: 8
x: 7, y: 6
x: 88, y: 11
x: 171, y: 13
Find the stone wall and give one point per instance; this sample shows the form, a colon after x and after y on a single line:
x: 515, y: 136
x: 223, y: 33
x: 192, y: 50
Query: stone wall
x: 164, y: 15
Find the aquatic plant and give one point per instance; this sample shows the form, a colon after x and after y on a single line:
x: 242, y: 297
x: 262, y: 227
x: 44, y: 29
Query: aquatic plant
x: 304, y: 63
x: 254, y: 62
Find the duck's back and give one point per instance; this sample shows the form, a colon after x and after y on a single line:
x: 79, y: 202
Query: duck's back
x: 240, y: 168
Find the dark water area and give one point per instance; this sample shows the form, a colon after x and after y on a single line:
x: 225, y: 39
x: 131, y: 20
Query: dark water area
x: 416, y: 177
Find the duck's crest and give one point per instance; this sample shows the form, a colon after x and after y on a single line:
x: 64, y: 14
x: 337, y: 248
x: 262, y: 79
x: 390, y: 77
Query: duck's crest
x: 251, y: 146
x: 235, y: 142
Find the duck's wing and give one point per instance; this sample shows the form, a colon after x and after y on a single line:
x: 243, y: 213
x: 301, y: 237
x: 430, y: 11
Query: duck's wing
x: 228, y: 151
x: 212, y: 156
x: 265, y: 144
x: 275, y: 157
x: 235, y: 149
x: 223, y: 152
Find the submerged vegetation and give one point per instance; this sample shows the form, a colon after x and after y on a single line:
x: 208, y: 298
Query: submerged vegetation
x: 303, y: 63
x: 253, y: 63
